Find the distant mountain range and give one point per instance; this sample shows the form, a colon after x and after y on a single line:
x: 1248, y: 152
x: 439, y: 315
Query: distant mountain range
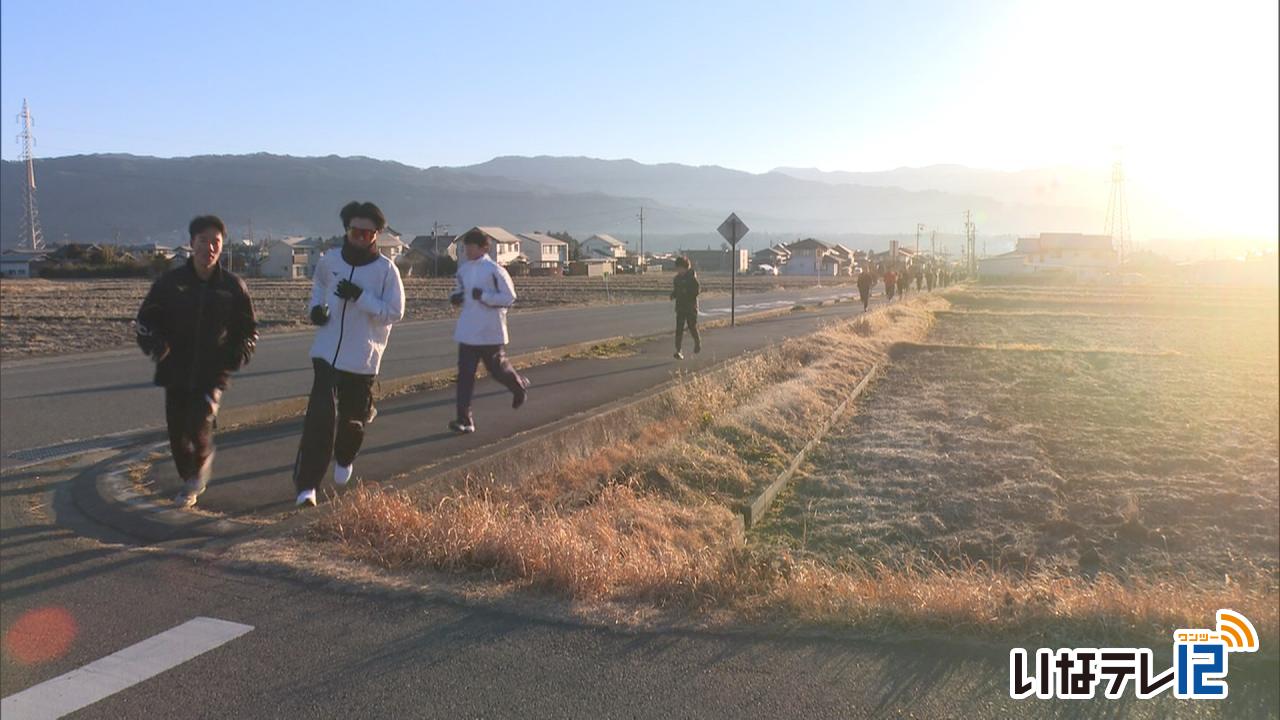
x: 96, y: 198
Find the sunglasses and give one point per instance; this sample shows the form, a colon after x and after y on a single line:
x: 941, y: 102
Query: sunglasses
x: 363, y: 233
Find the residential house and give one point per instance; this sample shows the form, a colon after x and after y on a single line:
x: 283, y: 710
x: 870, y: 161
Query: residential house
x: 719, y: 261
x: 774, y: 257
x: 1074, y: 255
x: 601, y: 245
x: 21, y: 264
x: 429, y: 255
x: 811, y: 256
x: 504, y: 247
x: 390, y: 244
x: 544, y: 251
x: 846, y: 259
x: 293, y: 258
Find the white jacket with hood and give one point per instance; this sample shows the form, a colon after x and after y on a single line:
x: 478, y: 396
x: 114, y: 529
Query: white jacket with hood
x: 483, y: 321
x: 356, y: 335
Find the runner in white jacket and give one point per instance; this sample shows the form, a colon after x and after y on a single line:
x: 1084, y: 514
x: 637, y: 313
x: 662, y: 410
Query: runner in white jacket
x: 356, y: 295
x: 483, y: 290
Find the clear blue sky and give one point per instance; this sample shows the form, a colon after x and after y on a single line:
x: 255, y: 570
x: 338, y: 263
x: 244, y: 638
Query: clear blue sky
x: 1187, y: 90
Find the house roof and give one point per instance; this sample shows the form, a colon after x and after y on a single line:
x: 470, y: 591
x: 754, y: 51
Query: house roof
x: 607, y: 239
x: 496, y: 234
x: 22, y: 256
x: 808, y: 243
x: 542, y: 239
x: 386, y: 240
x: 1064, y: 241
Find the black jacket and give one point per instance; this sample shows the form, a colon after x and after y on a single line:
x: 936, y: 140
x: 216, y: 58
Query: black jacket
x: 207, y: 327
x: 684, y: 290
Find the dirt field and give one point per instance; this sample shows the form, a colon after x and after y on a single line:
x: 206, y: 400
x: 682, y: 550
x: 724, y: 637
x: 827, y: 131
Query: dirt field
x: 1130, y: 432
x: 48, y: 317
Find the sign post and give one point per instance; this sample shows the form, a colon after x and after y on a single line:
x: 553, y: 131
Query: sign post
x: 732, y: 229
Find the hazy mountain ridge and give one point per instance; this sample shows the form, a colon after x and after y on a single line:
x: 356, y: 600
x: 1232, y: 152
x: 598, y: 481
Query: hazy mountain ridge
x: 94, y: 198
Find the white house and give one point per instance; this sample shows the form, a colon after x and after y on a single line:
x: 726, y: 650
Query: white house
x: 602, y: 246
x: 19, y: 264
x: 811, y: 256
x: 1075, y: 255
x: 504, y: 247
x: 293, y: 258
x: 542, y: 250
x: 390, y: 244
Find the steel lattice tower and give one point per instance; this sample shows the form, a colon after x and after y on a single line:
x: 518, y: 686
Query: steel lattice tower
x: 31, y: 238
x: 1118, y: 214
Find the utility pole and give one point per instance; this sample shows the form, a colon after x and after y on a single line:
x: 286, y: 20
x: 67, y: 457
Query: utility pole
x: 919, y: 229
x: 32, y: 237
x: 933, y: 242
x: 640, y: 262
x: 435, y: 246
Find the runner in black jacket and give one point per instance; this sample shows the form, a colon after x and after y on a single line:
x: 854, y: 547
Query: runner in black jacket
x: 684, y: 290
x: 198, y: 326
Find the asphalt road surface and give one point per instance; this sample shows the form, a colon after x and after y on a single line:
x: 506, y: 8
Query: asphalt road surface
x: 48, y: 402
x: 316, y: 650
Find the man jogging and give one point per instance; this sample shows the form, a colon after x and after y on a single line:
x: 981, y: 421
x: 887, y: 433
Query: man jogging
x: 684, y: 290
x: 483, y: 290
x: 890, y: 283
x: 866, y: 279
x: 355, y: 298
x: 198, y: 326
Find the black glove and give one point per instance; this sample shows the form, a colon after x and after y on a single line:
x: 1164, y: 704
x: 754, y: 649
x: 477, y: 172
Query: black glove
x: 240, y: 354
x: 319, y: 314
x: 348, y: 290
x: 456, y: 299
x: 159, y: 351
x: 476, y: 293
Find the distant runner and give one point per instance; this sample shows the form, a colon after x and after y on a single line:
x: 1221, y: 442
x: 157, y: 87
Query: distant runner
x: 684, y: 290
x: 866, y: 279
x: 484, y: 291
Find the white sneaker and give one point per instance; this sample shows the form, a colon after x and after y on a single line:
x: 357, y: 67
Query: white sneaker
x: 341, y: 475
x: 306, y: 498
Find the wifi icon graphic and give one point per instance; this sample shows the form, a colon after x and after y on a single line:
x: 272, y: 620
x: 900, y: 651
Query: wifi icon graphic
x: 1237, y: 632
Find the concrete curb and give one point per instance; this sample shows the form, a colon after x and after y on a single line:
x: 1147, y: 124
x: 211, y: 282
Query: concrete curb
x: 105, y: 493
x: 753, y: 511
x: 262, y: 413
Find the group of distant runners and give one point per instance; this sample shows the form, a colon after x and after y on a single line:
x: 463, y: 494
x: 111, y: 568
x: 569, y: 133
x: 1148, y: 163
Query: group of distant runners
x: 198, y: 326
x: 897, y: 280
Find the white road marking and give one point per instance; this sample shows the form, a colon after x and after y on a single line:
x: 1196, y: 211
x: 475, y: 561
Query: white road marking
x: 99, y: 679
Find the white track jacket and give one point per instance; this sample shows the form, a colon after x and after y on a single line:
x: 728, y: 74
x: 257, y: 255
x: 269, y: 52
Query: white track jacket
x: 356, y: 335
x: 483, y: 321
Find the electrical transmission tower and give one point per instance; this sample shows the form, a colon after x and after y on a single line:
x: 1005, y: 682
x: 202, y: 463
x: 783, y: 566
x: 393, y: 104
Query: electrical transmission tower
x: 31, y: 238
x: 970, y: 246
x: 1118, y: 215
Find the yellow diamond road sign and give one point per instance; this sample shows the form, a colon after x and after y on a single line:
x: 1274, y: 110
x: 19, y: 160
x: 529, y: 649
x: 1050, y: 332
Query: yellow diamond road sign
x: 733, y: 229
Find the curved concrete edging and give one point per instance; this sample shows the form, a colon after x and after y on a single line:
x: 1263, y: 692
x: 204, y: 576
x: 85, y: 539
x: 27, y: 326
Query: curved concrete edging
x: 105, y: 493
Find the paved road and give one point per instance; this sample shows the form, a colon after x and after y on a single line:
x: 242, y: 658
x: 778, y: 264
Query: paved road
x: 78, y: 397
x: 317, y: 651
x: 254, y: 467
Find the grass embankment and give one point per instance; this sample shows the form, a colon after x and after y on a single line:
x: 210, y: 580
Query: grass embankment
x: 650, y: 520
x: 650, y: 517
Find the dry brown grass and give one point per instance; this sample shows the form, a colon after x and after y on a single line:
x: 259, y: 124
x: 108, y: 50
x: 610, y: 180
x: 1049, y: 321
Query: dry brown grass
x: 648, y: 520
